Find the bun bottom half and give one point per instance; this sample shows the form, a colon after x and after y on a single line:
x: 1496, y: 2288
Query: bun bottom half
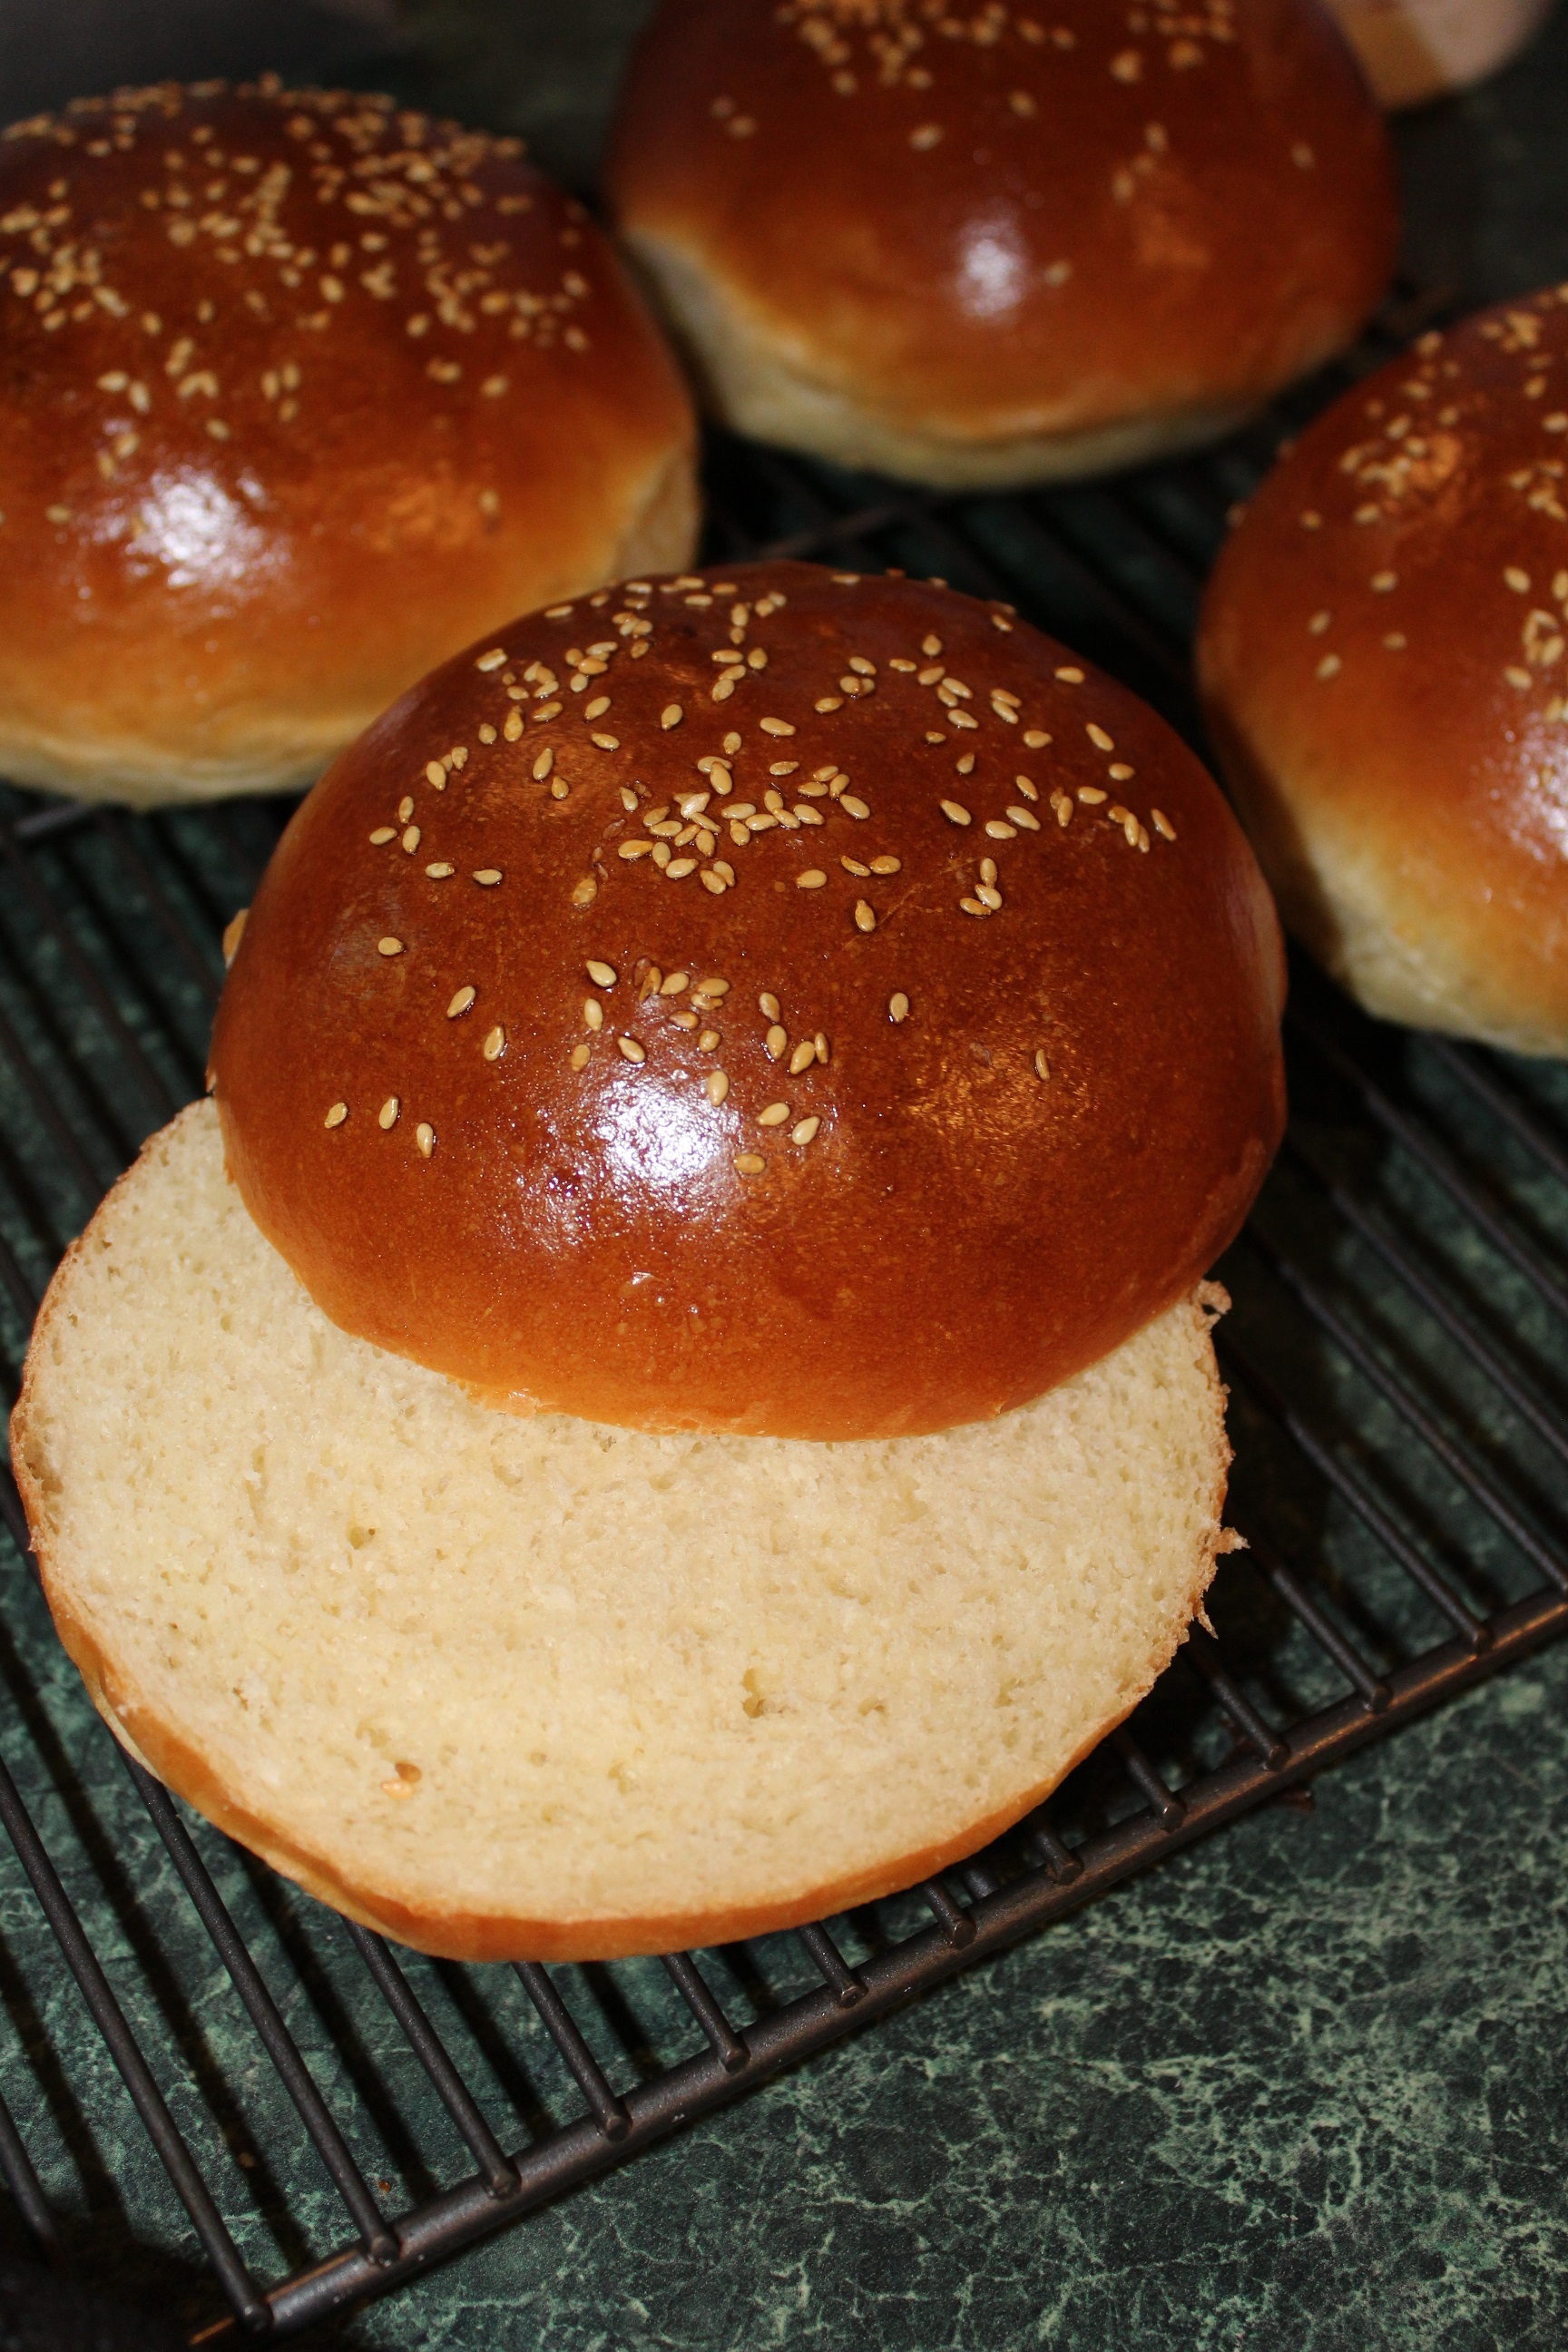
x: 539, y: 1688
x: 760, y: 382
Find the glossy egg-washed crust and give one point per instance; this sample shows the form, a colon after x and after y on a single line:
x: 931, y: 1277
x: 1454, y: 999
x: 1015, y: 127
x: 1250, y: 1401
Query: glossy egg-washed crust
x: 1012, y: 224
x: 885, y: 1112
x: 1385, y: 657
x: 297, y: 390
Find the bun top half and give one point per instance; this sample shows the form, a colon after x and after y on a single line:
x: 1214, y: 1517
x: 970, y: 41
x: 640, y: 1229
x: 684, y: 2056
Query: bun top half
x: 765, y: 1000
x: 299, y: 389
x: 1004, y: 225
x: 1383, y: 655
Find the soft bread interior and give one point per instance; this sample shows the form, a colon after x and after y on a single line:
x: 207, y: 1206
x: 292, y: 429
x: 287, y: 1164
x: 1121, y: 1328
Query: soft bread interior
x: 510, y: 1688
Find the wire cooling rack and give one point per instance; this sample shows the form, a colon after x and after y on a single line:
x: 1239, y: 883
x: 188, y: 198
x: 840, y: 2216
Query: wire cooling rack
x: 321, y: 2115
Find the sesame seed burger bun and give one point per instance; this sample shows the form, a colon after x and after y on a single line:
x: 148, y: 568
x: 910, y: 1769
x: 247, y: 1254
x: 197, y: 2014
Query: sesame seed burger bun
x: 998, y: 249
x: 765, y: 1002
x: 1383, y: 655
x: 299, y: 391
x: 1415, y: 50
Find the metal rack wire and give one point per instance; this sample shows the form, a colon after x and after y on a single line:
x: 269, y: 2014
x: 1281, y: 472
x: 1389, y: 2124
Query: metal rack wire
x: 327, y: 2116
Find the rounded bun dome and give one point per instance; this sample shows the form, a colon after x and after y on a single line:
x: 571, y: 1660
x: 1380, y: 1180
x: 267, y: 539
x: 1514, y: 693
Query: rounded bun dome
x: 1384, y: 658
x: 765, y: 1001
x: 299, y: 389
x: 998, y: 246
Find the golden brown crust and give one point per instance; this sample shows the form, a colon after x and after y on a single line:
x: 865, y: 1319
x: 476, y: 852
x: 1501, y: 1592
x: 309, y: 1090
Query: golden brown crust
x: 297, y: 391
x: 993, y: 229
x: 626, y: 1196
x: 1384, y: 656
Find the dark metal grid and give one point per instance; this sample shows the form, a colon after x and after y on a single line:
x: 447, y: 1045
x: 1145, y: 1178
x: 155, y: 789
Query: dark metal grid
x: 1401, y: 1477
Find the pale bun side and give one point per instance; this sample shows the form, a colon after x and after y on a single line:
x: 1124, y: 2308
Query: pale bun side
x: 508, y: 1689
x: 303, y: 388
x: 764, y: 1000
x: 1384, y: 658
x: 1415, y: 50
x: 989, y: 251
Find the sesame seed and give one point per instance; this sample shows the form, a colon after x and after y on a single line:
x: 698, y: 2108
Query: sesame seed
x: 822, y: 1053
x: 585, y: 890
x: 1000, y: 832
x: 1329, y: 666
x: 1024, y: 817
x: 853, y: 866
x: 1120, y: 772
x: 973, y: 906
x: 716, y: 1086
x: 1042, y: 1068
x: 1382, y: 582
x: 865, y: 915
x: 389, y: 947
x: 559, y: 611
x: 988, y: 869
x: 1098, y: 736
x: 710, y: 1037
x: 1517, y: 580
x: 487, y: 876
x: 679, y: 868
x: 493, y: 659
x: 336, y: 1116
x: 768, y: 1005
x: 580, y: 1058
x: 597, y: 707
x: 1036, y: 738
x: 956, y: 812
x: 965, y: 765
x: 774, y: 1115
x: 776, y: 727
x: 675, y: 983
x: 1318, y: 623
x: 435, y: 773
x: 631, y: 1049
x: 899, y: 1007
x: 424, y: 1136
x: 594, y: 1012
x: 805, y: 1132
x: 603, y: 975
x: 750, y: 1164
x: 776, y: 1041
x: 405, y: 810
x: 852, y: 805
x: 712, y: 988
x: 803, y: 1057
x: 383, y: 833
x: 439, y: 873
x: 411, y: 839
x: 1091, y: 795
x: 1068, y: 678
x: 460, y: 1002
x: 885, y: 866
x: 1030, y: 790
x: 387, y: 1117
x: 543, y: 764
x: 671, y: 714
x: 1518, y: 677
x: 545, y: 712
x: 606, y: 742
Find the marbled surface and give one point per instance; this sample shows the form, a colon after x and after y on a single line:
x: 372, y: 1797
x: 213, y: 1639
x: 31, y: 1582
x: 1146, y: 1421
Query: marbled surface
x: 1305, y: 2089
